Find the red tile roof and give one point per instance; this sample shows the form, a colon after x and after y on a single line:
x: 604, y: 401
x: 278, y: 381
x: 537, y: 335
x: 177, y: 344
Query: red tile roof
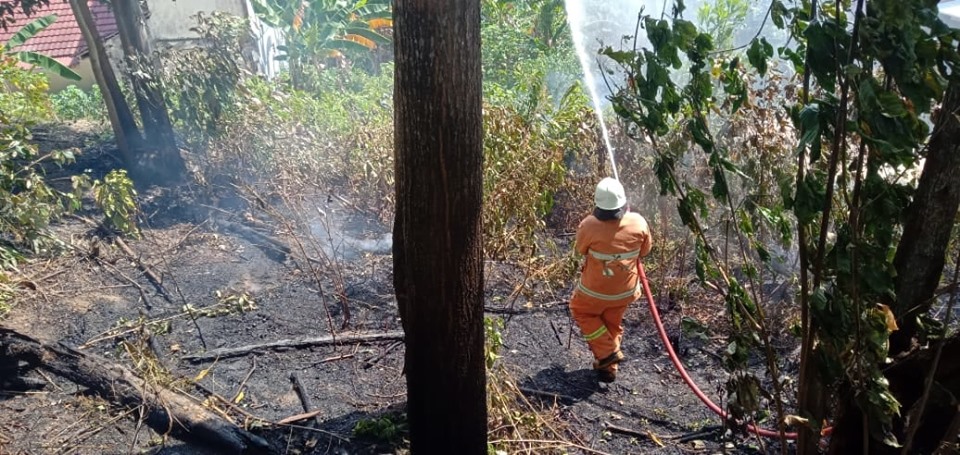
x: 62, y: 40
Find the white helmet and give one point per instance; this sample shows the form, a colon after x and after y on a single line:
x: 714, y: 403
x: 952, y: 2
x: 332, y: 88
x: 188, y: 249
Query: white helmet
x: 610, y: 194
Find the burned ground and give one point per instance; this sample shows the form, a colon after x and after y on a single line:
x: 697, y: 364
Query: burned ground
x: 228, y: 285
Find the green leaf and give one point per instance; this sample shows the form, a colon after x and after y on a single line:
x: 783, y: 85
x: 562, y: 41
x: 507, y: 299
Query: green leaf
x: 48, y: 64
x: 684, y: 34
x: 760, y: 50
x: 29, y: 31
x: 621, y: 57
x: 720, y: 189
x: 809, y: 127
x: 369, y: 34
x: 809, y: 199
x: 344, y: 44
x: 822, y: 54
x: 777, y: 11
x: 891, y: 105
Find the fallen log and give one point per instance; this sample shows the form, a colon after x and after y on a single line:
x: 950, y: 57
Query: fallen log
x: 343, y: 338
x: 165, y: 411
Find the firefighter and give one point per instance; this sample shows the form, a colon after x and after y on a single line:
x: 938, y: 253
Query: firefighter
x: 613, y: 239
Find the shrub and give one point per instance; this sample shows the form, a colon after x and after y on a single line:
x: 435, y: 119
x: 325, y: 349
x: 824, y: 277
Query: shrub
x: 27, y: 203
x: 526, y: 152
x: 23, y: 92
x: 117, y: 198
x: 73, y: 103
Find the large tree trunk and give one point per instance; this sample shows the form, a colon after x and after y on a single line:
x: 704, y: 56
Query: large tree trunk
x: 121, y: 118
x: 161, y: 161
x: 928, y: 223
x: 438, y: 264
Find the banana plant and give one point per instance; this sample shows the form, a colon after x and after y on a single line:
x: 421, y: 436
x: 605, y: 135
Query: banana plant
x: 35, y: 58
x: 321, y: 29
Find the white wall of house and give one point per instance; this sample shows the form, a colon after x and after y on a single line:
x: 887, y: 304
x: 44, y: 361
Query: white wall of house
x: 170, y: 22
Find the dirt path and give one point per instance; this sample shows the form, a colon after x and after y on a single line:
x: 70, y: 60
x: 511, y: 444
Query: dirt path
x: 226, y: 291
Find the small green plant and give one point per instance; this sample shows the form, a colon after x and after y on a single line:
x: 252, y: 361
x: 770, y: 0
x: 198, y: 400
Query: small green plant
x: 235, y: 302
x: 228, y: 303
x: 203, y: 80
x: 494, y: 340
x: 117, y: 198
x: 390, y: 429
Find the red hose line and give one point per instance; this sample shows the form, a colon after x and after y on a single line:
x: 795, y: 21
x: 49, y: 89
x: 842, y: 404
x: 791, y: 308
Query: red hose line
x: 683, y: 371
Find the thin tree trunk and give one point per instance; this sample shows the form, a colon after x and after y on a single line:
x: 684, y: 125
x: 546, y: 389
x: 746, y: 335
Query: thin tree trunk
x: 929, y: 222
x: 162, y: 162
x: 438, y: 263
x: 121, y: 118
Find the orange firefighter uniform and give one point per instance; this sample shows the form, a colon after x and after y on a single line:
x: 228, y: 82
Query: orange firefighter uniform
x: 608, y: 282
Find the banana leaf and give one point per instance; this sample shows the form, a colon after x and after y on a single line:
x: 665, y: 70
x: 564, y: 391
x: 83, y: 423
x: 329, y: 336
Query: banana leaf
x: 29, y: 31
x: 47, y: 63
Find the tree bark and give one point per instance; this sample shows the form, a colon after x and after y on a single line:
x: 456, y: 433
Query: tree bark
x: 165, y: 411
x: 438, y: 263
x: 161, y: 161
x: 928, y: 224
x: 125, y: 130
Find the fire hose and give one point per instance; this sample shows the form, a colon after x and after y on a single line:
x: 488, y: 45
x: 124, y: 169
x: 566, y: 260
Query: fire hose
x: 683, y: 371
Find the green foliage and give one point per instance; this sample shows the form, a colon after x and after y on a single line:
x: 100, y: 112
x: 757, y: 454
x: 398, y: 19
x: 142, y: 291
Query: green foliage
x: 526, y: 46
x: 869, y: 92
x: 322, y: 33
x: 333, y: 139
x: 117, y: 198
x: 492, y: 328
x: 27, y: 203
x: 874, y: 89
x: 723, y: 176
x: 389, y: 429
x: 72, y: 103
x: 9, y: 8
x: 23, y: 92
x: 524, y: 155
x: 28, y: 31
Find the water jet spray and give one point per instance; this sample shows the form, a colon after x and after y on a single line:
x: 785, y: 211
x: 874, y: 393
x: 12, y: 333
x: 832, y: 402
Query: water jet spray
x: 576, y: 18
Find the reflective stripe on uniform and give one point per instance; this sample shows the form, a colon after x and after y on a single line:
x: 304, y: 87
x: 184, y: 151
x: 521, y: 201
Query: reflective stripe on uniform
x: 596, y: 334
x: 600, y: 296
x: 606, y: 259
x: 615, y: 257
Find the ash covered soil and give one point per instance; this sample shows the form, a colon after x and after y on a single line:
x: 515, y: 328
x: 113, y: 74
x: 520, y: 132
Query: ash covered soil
x: 229, y: 287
